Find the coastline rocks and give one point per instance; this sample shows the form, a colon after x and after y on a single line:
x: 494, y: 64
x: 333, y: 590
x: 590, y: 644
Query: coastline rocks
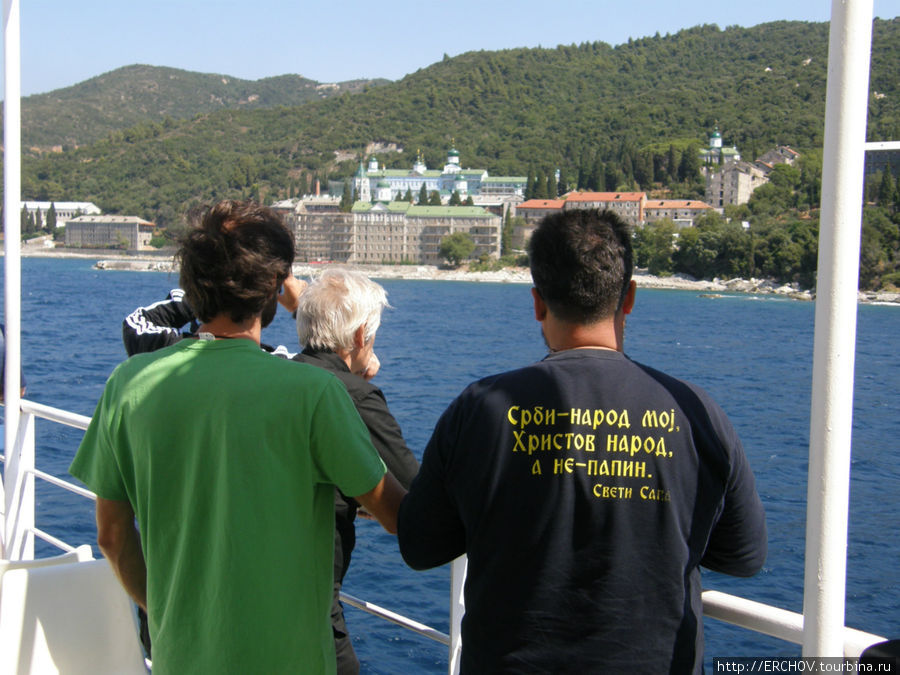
x: 521, y: 275
x: 879, y: 298
x: 136, y: 265
x: 426, y: 272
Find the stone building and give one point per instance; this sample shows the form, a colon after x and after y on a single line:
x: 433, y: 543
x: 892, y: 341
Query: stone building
x: 127, y: 232
x: 534, y: 210
x: 391, y: 232
x: 683, y: 212
x: 733, y: 184
x: 780, y: 155
x: 628, y: 205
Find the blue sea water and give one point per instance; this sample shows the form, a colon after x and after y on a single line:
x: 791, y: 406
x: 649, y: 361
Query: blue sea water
x: 753, y: 354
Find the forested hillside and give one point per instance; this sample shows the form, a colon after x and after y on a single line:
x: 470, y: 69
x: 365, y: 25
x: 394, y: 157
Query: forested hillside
x: 625, y: 117
x: 90, y: 110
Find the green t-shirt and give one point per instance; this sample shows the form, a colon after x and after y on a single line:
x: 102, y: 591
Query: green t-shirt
x: 229, y: 457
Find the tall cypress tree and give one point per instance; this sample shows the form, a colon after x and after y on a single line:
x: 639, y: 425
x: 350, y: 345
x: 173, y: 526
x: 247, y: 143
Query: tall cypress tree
x: 540, y: 187
x: 347, y: 197
x: 562, y: 186
x: 51, y: 218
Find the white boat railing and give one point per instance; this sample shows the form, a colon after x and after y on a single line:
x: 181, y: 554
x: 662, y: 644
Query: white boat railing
x: 25, y: 530
x: 759, y: 617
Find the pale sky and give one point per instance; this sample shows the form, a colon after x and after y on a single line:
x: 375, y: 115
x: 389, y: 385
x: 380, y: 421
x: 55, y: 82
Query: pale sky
x: 68, y: 41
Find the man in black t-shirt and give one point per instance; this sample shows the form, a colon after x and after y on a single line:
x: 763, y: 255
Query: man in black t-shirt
x: 586, y: 489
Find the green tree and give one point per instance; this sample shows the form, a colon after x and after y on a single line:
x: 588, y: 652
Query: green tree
x: 713, y: 248
x: 551, y: 186
x: 457, y: 247
x: 434, y: 199
x: 689, y: 166
x: 879, y: 254
x: 530, y: 184
x: 540, y: 187
x: 454, y: 199
x: 423, y: 195
x: 51, y: 218
x: 654, y: 245
x: 346, y: 204
x: 672, y: 163
x: 562, y: 187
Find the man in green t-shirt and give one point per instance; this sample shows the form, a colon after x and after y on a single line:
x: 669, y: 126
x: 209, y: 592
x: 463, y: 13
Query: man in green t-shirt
x: 228, y: 459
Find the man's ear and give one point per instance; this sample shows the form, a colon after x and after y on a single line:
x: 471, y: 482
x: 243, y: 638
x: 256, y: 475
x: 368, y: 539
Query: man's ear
x: 628, y: 303
x: 540, y: 307
x: 359, y: 337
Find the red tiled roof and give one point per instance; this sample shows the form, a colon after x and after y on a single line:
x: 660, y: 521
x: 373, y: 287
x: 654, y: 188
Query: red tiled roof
x: 541, y: 204
x: 676, y: 204
x: 605, y: 196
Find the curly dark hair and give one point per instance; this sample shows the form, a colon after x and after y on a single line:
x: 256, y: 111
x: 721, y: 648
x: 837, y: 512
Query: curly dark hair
x: 581, y: 263
x: 233, y: 259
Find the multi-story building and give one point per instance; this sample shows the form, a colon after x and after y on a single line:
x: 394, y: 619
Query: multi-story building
x: 390, y: 232
x: 733, y: 184
x: 64, y: 210
x: 534, y: 210
x: 628, y: 205
x: 683, y: 212
x: 731, y: 181
x: 128, y: 232
x: 399, y: 231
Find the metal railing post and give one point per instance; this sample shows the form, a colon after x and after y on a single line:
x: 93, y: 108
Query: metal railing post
x: 19, y: 474
x: 12, y: 204
x: 457, y: 609
x: 846, y: 105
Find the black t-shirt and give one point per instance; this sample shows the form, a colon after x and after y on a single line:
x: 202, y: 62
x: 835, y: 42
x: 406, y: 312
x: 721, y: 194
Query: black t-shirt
x: 586, y: 490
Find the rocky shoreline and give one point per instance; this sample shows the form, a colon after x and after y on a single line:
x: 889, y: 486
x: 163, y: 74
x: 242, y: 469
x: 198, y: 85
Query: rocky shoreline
x: 161, y: 263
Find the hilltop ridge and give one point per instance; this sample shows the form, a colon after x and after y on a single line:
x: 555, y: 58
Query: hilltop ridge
x: 89, y: 111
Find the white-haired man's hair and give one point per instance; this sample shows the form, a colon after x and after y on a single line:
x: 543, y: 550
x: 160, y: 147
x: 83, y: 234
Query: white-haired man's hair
x: 335, y: 305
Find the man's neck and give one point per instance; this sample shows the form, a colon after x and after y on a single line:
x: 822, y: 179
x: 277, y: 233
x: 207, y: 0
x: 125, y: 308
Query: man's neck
x: 222, y: 327
x: 561, y: 336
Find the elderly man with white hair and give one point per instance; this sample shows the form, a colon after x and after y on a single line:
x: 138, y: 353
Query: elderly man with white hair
x: 337, y: 318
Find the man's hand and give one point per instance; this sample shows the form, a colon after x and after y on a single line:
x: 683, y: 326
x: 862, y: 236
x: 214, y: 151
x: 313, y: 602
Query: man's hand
x: 383, y: 502
x: 372, y: 368
x: 121, y: 545
x: 291, y: 290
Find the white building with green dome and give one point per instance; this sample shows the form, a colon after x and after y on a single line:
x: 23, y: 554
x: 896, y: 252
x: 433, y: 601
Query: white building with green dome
x: 371, y: 181
x: 716, y: 154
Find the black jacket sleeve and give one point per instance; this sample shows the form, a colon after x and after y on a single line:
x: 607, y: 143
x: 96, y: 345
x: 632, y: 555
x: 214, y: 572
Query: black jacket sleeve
x: 430, y: 530
x: 387, y: 437
x: 158, y: 325
x: 738, y: 544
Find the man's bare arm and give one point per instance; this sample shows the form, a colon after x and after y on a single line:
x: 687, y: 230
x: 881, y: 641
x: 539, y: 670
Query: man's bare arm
x: 290, y: 292
x: 121, y: 545
x: 383, y: 502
